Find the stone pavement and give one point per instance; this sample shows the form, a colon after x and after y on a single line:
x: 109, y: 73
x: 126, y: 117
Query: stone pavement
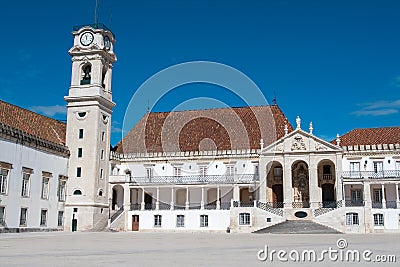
x: 180, y: 249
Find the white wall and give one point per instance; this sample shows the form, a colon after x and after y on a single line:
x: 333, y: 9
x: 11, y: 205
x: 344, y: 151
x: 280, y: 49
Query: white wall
x: 21, y: 156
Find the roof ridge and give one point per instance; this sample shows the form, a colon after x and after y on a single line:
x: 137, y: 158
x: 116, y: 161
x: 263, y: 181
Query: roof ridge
x: 186, y: 110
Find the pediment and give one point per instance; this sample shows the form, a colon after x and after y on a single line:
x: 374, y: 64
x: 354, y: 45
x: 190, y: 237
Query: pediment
x: 300, y: 141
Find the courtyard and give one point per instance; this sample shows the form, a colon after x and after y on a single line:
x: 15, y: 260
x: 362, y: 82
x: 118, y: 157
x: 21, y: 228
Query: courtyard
x: 184, y: 249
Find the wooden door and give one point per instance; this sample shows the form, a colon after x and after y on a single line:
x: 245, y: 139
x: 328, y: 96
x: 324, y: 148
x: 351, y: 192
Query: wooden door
x: 328, y: 193
x: 135, y: 223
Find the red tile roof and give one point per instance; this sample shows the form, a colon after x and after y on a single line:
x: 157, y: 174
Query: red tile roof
x: 201, y: 130
x: 371, y: 136
x: 32, y: 123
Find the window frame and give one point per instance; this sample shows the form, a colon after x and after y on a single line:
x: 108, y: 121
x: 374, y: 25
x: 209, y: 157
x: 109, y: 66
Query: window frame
x: 45, y: 187
x: 4, y: 180
x: 357, y: 199
x: 23, y: 221
x: 60, y: 219
x: 43, y: 217
x: 25, y: 187
x: 204, y: 220
x: 379, y: 219
x: 80, y: 133
x: 78, y: 172
x: 3, y: 215
x: 157, y: 220
x: 80, y: 152
x: 244, y: 219
x: 180, y: 221
x: 352, y: 219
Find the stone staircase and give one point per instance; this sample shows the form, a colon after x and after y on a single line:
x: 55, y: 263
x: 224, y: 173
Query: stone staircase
x: 297, y: 227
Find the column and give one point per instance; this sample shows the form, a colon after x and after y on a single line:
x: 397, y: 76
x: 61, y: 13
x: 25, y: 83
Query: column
x: 218, y: 201
x: 158, y: 199
x: 202, y: 198
x: 127, y: 197
x: 397, y: 197
x: 187, y: 198
x: 287, y: 184
x: 367, y: 194
x: 313, y: 187
x: 142, y: 204
x: 236, y: 192
x: 172, y: 199
x: 262, y: 189
x: 383, y: 196
x: 338, y: 173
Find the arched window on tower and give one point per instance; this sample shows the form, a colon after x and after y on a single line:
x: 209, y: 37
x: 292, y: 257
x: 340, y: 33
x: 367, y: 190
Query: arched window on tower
x: 86, y: 74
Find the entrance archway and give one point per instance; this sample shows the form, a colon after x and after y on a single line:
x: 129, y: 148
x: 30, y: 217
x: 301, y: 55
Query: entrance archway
x: 117, y: 197
x: 326, y: 182
x: 275, y: 184
x: 300, y: 183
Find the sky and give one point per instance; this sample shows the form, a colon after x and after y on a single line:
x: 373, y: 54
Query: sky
x: 335, y: 63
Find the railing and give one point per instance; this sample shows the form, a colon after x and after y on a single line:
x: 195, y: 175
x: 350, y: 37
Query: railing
x: 327, y: 206
x: 300, y: 204
x: 327, y: 177
x: 391, y: 204
x: 192, y: 206
x: 195, y: 179
x: 272, y: 207
x: 371, y: 174
x: 115, y: 215
x: 352, y: 203
x: 377, y: 205
x: 278, y: 179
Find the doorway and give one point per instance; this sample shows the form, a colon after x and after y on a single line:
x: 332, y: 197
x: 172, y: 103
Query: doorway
x: 135, y: 222
x: 74, y: 225
x: 277, y: 193
x: 328, y: 194
x: 148, y: 201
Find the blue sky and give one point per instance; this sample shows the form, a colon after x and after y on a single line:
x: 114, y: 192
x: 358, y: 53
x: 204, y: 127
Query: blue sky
x: 335, y: 63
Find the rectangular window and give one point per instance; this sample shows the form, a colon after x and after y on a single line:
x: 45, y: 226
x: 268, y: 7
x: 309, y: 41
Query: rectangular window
x: 356, y: 196
x: 43, y: 217
x: 23, y: 216
x: 377, y: 195
x: 157, y: 220
x: 230, y: 170
x: 203, y: 171
x: 355, y: 169
x: 244, y: 218
x: 80, y: 152
x: 2, y: 215
x: 177, y: 171
x: 103, y: 136
x: 149, y: 173
x: 352, y: 219
x: 278, y: 174
x: 378, y: 219
x: 3, y: 180
x: 79, y: 172
x: 378, y: 166
x: 101, y: 173
x: 61, y: 188
x: 25, y: 184
x: 102, y: 154
x: 60, y: 218
x: 80, y: 133
x: 180, y: 220
x: 45, y: 187
x: 203, y: 220
x: 398, y: 165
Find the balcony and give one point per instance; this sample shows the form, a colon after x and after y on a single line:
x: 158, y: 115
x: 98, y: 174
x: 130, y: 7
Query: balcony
x: 386, y: 174
x: 190, y: 179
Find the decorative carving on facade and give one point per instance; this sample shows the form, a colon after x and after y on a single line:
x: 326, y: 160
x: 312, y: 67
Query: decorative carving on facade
x: 320, y: 147
x: 298, y: 143
x: 279, y: 147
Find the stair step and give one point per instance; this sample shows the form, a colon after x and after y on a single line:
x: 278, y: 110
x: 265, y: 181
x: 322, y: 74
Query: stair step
x: 297, y: 227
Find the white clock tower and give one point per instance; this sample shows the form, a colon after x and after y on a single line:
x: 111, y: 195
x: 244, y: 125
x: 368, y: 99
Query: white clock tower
x: 89, y: 128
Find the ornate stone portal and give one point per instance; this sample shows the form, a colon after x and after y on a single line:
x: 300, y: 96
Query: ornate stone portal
x: 300, y: 183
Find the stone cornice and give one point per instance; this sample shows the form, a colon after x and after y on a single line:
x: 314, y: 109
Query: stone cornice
x: 20, y: 137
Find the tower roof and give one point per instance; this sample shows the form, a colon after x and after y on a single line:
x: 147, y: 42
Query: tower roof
x: 209, y: 129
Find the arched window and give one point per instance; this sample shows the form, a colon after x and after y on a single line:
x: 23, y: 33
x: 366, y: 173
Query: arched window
x: 77, y: 192
x: 100, y: 193
x: 86, y: 74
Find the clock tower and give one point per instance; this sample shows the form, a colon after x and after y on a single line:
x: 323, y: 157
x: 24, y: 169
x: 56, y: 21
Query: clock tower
x: 89, y: 127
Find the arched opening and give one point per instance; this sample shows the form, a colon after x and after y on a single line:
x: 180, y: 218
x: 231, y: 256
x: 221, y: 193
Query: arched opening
x: 275, y: 184
x: 327, y: 182
x: 77, y: 192
x: 246, y: 196
x: 300, y: 183
x: 117, y: 197
x: 86, y: 74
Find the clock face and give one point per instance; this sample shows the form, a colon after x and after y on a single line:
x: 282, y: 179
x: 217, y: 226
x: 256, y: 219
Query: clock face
x: 107, y: 42
x: 87, y: 38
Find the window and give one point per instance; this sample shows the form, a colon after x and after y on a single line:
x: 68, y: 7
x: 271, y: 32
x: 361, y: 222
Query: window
x: 61, y: 188
x: 3, y: 180
x: 79, y: 152
x: 25, y: 184
x: 22, y: 217
x: 103, y: 136
x: 60, y: 221
x: 354, y: 169
x: 45, y: 187
x: 378, y: 195
x: 398, y: 165
x: 378, y: 166
x: 378, y: 219
x: 100, y: 193
x: 101, y: 173
x: 356, y: 196
x: 102, y: 154
x: 278, y: 173
x: 230, y: 170
x: 43, y: 217
x: 86, y: 74
x: 177, y: 171
x: 79, y: 172
x: 80, y: 133
x: 77, y: 192
x: 180, y: 220
x: 352, y: 218
x: 2, y: 217
x: 203, y: 220
x: 244, y: 218
x: 149, y: 173
x: 157, y: 220
x: 326, y: 169
x: 203, y: 171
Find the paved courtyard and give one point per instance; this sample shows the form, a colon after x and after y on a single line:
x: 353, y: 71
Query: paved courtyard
x: 181, y: 249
